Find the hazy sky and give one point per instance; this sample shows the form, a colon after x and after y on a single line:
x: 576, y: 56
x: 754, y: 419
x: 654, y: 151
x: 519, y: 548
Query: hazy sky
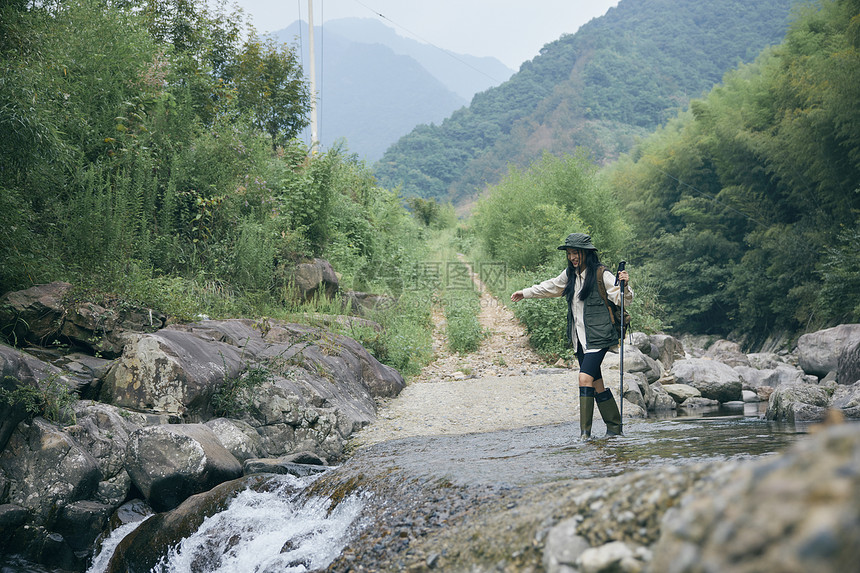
x: 511, y: 30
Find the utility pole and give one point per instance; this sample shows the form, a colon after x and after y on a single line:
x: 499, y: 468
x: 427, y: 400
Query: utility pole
x: 313, y: 78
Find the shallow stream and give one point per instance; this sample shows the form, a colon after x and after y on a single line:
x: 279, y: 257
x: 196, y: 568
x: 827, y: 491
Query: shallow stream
x: 398, y: 492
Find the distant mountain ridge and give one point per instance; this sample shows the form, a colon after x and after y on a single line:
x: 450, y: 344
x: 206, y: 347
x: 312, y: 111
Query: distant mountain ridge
x: 463, y: 74
x: 618, y: 77
x: 375, y: 86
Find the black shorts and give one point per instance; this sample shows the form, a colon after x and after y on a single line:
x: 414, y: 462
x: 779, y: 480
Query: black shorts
x: 589, y: 362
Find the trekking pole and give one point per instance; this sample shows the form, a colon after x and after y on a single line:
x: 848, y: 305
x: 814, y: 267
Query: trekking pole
x: 621, y: 266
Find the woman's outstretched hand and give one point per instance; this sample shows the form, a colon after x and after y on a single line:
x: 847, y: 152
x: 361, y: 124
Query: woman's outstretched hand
x: 517, y: 296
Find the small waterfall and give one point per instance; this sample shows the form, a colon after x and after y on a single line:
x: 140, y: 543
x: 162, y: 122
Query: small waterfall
x: 277, y: 530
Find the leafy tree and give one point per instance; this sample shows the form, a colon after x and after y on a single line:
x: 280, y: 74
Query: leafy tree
x: 745, y: 207
x: 271, y: 89
x: 522, y: 219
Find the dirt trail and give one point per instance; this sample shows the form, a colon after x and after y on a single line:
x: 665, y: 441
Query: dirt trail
x: 503, y: 385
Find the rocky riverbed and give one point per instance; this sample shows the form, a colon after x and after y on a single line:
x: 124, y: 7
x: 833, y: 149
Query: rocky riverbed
x: 473, y: 465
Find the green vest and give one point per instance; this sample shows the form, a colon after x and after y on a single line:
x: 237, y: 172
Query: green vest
x: 599, y: 330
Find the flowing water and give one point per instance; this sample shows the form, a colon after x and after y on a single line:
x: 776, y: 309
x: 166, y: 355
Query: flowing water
x: 277, y: 531
x: 284, y: 531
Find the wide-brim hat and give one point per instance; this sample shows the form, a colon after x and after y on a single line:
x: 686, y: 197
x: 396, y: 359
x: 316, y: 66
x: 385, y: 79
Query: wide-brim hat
x: 578, y: 241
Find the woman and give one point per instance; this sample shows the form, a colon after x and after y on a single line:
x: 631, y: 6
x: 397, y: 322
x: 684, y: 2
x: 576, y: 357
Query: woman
x: 589, y: 325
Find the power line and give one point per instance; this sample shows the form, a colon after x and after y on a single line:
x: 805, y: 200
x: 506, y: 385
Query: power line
x: 413, y: 34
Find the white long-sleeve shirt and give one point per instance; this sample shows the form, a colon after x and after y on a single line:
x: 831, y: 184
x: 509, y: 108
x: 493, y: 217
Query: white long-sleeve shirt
x: 555, y: 287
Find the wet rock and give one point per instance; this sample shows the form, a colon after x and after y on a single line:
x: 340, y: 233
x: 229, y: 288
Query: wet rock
x: 12, y: 517
x: 818, y: 352
x: 750, y: 396
x: 36, y: 544
x: 81, y: 523
x: 170, y: 463
x: 699, y: 402
x: 143, y: 548
x: 714, y: 380
x: 299, y: 465
x: 794, y: 512
x: 798, y: 403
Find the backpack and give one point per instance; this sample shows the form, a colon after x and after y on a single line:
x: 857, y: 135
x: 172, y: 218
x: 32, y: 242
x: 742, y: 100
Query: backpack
x: 614, y: 309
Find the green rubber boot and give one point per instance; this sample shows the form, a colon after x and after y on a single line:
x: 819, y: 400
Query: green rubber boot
x: 609, y: 412
x: 586, y: 411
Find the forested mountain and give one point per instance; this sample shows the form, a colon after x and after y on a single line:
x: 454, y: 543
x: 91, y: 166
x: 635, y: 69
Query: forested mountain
x: 375, y: 86
x: 617, y: 78
x: 738, y: 218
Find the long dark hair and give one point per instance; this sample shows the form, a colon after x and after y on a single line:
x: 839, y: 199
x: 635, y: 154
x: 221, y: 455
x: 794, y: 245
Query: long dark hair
x: 591, y: 263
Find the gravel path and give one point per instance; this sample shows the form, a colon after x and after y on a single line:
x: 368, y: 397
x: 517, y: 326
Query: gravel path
x: 504, y: 385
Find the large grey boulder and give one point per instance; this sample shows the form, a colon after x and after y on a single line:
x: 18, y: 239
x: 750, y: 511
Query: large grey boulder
x: 169, y: 463
x: 798, y: 403
x: 103, y: 431
x: 848, y: 365
x: 173, y: 372
x: 796, y: 511
x: 47, y: 470
x: 818, y: 352
x: 681, y: 392
x: 727, y: 352
x: 714, y: 380
x: 239, y: 437
x: 665, y: 349
x: 779, y: 375
x: 315, y: 278
x: 637, y: 362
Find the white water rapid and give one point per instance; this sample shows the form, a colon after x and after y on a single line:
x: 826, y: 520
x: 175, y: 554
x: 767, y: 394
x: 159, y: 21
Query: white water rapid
x: 260, y: 532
